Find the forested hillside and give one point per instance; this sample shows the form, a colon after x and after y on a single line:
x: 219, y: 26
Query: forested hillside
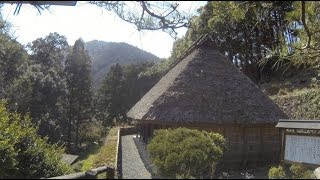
x: 104, y: 54
x: 46, y: 91
x: 49, y: 83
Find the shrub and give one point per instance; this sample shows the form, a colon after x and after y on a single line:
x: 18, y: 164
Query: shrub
x: 23, y: 154
x: 186, y: 153
x: 300, y: 172
x: 276, y: 173
x: 91, y: 132
x: 294, y: 172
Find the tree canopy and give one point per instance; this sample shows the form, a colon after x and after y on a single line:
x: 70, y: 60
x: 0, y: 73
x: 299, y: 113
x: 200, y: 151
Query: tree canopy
x: 23, y: 153
x: 262, y: 38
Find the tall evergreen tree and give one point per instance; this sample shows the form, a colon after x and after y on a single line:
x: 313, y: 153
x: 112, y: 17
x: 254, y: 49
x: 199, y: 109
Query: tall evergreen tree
x: 13, y: 66
x: 48, y: 84
x: 78, y: 67
x: 122, y: 87
x: 111, y: 95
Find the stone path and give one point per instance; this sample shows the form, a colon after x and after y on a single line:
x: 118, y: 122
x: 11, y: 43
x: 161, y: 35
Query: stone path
x: 132, y: 165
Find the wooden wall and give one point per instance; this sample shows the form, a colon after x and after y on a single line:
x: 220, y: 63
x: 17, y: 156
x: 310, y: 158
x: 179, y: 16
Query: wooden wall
x: 246, y: 146
x: 249, y: 146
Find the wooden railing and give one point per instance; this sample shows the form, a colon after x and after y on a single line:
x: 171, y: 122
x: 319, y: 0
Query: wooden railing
x: 112, y: 172
x: 90, y: 174
x: 119, y: 156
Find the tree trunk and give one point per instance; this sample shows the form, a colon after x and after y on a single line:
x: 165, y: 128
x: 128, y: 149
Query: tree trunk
x: 77, y: 126
x: 69, y: 130
x: 70, y: 122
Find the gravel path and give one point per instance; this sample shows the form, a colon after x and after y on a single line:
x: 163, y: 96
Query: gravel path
x: 132, y: 165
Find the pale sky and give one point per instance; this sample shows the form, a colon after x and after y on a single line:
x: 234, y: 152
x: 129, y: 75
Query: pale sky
x: 89, y: 23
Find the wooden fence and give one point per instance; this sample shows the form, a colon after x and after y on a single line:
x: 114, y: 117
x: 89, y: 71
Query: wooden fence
x: 90, y: 174
x: 111, y: 172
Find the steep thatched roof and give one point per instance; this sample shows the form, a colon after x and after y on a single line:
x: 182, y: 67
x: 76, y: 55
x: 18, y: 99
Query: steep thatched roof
x: 205, y: 87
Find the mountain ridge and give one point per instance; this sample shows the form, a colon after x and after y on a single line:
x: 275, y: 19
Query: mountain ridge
x: 104, y: 54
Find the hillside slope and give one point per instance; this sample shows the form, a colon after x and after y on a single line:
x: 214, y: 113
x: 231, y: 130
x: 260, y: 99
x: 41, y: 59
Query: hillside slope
x: 104, y: 54
x: 298, y: 96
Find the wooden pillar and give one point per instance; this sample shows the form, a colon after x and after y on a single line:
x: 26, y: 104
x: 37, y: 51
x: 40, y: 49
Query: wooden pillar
x: 281, y: 143
x: 141, y: 132
x: 151, y: 130
x: 261, y: 154
x: 244, y: 147
x: 156, y: 126
x: 110, y: 173
x: 282, y: 134
x: 147, y: 132
x: 140, y: 129
x: 144, y: 133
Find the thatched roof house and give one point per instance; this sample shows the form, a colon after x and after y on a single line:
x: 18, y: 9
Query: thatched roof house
x: 205, y: 90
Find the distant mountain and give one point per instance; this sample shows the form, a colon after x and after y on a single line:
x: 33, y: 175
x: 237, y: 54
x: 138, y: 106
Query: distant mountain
x: 104, y: 54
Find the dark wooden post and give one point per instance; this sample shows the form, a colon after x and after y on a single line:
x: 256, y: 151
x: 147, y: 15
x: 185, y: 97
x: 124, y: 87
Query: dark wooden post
x: 144, y: 133
x: 137, y: 131
x: 151, y: 130
x: 244, y: 147
x: 110, y: 173
x: 261, y: 145
x: 147, y: 132
x: 282, y: 145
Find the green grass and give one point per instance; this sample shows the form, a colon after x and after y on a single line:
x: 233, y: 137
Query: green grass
x: 113, y: 131
x: 88, y: 163
x: 104, y: 155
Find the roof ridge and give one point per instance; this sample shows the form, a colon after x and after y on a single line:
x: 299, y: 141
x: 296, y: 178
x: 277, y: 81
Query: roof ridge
x: 195, y: 44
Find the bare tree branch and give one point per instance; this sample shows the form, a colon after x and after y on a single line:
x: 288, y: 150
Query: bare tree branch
x: 149, y: 19
x: 141, y: 19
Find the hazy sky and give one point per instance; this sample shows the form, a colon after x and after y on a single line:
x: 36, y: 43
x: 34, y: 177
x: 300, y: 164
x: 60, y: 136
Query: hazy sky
x: 89, y: 23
